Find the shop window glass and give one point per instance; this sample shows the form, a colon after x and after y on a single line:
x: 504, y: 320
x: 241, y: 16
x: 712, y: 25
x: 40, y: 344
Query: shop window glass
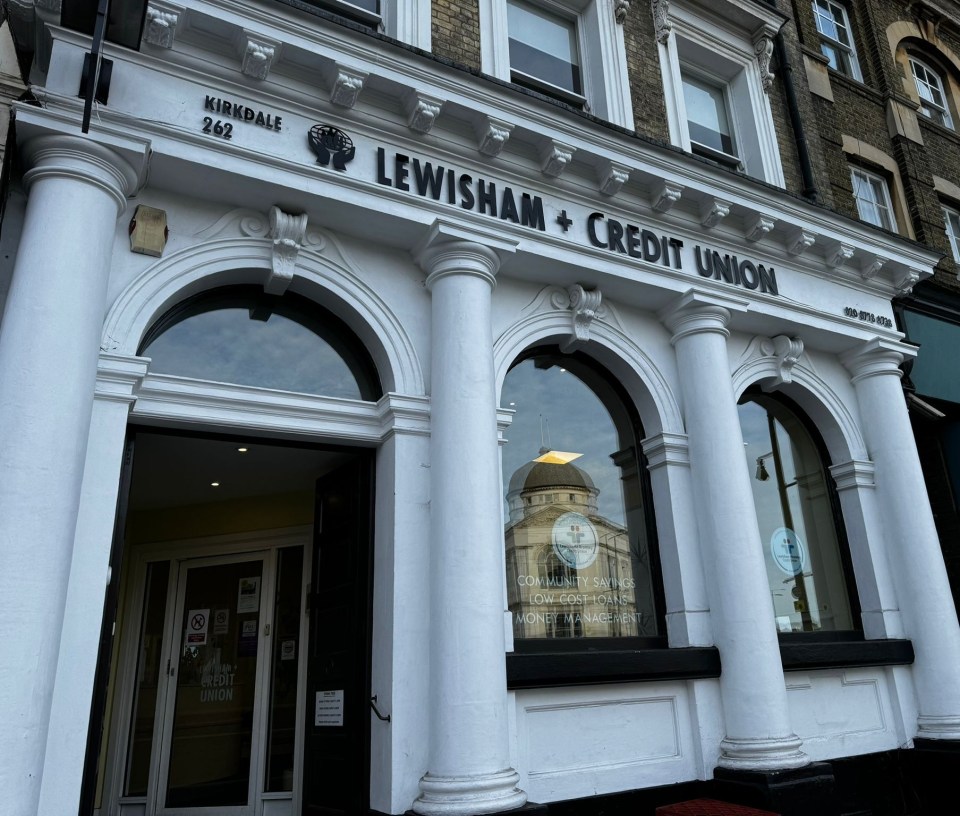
x: 797, y: 519
x: 581, y: 557
x: 543, y: 50
x: 933, y: 101
x: 837, y: 40
x: 241, y: 335
x: 873, y: 198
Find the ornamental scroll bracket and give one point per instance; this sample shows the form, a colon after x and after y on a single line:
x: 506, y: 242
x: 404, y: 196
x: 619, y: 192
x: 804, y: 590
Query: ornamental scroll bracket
x: 661, y: 20
x: 288, y: 233
x: 258, y: 54
x: 763, y: 49
x: 787, y: 352
x: 585, y: 306
x: 620, y: 9
x: 162, y: 21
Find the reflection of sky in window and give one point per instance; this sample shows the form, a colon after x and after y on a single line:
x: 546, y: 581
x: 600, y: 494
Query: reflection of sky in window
x: 226, y: 345
x: 574, y: 419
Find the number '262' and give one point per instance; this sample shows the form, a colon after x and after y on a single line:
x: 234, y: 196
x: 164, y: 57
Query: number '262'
x: 222, y: 129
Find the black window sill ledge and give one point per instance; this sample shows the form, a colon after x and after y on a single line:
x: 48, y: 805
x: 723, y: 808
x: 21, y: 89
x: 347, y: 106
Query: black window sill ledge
x: 550, y: 670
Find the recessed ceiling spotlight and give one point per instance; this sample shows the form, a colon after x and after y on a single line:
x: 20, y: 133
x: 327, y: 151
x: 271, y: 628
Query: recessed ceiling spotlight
x: 241, y: 450
x: 214, y: 484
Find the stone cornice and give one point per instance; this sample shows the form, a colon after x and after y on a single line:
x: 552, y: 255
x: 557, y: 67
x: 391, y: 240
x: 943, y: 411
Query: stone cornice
x: 461, y: 100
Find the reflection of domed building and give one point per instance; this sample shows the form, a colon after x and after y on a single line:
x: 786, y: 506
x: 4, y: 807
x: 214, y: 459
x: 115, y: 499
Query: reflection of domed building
x: 568, y: 568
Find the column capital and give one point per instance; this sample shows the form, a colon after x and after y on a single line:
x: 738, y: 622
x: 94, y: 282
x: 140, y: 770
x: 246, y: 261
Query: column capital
x: 72, y: 157
x: 875, y: 357
x: 697, y: 311
x: 855, y: 473
x: 119, y: 376
x: 449, y: 248
x: 666, y: 449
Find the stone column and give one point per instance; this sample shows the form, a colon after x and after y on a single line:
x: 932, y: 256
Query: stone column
x: 469, y: 770
x: 49, y: 344
x: 757, y: 723
x: 920, y: 577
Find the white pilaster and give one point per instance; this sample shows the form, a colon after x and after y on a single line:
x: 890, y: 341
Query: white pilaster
x: 756, y: 718
x: 688, y: 608
x: 49, y: 345
x: 117, y: 380
x: 920, y: 577
x: 469, y: 770
x: 868, y: 548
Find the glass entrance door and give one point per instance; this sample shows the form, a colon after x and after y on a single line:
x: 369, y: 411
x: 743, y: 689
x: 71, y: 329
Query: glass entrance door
x: 210, y: 740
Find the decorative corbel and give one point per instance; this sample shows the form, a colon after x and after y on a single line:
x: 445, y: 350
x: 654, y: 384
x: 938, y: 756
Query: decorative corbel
x: 905, y: 280
x: 713, y: 211
x: 612, y: 177
x: 259, y: 54
x: 585, y: 305
x: 800, y: 241
x: 661, y: 19
x: 554, y: 157
x: 758, y: 226
x: 620, y: 9
x: 287, y: 232
x: 787, y: 351
x: 870, y: 265
x: 763, y: 49
x: 492, y: 135
x: 161, y: 25
x: 422, y: 111
x: 837, y: 253
x: 347, y: 86
x: 665, y: 195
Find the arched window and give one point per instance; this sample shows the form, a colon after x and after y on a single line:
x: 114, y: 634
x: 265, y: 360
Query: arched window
x: 933, y: 99
x: 580, y: 539
x: 806, y: 556
x: 241, y: 335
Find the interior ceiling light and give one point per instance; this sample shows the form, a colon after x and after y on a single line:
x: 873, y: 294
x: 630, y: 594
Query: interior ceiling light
x: 553, y: 457
x: 214, y: 484
x: 241, y: 450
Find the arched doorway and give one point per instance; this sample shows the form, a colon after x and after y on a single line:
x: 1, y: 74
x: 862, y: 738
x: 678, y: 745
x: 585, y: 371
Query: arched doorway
x: 240, y: 679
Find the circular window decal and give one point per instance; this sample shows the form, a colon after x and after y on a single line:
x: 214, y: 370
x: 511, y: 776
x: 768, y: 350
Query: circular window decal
x: 788, y: 551
x: 575, y: 540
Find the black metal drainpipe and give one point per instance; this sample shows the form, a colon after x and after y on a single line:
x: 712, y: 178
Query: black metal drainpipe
x: 803, y: 153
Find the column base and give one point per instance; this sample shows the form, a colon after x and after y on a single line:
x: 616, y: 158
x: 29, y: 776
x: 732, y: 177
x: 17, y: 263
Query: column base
x: 469, y: 795
x: 797, y: 792
x: 938, y: 728
x: 762, y: 754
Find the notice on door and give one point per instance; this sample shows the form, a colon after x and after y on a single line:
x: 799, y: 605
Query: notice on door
x: 329, y: 709
x: 197, y: 622
x: 248, y: 595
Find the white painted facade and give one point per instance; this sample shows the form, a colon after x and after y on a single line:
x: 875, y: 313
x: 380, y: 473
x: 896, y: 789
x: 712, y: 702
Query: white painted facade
x: 445, y: 298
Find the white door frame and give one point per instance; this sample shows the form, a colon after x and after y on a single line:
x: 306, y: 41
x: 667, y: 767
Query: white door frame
x: 183, y: 555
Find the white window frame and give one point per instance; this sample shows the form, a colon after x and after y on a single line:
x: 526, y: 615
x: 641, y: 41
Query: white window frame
x: 951, y: 220
x: 852, y: 66
x: 932, y: 80
x: 884, y: 205
x: 707, y: 45
x: 408, y: 21
x: 603, y: 56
